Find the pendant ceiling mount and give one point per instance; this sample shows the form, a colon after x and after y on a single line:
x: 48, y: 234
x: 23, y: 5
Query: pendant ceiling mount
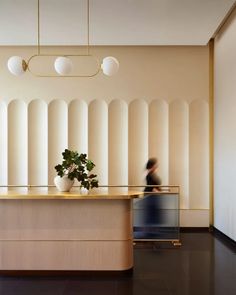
x: 63, y: 65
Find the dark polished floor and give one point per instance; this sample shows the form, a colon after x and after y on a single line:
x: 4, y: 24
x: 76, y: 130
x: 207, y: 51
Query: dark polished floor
x: 203, y: 265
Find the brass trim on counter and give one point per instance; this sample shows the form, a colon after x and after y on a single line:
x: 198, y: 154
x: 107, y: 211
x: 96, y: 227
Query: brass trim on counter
x: 100, y: 186
x: 64, y: 240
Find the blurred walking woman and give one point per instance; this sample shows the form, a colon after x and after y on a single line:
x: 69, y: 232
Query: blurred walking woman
x: 152, y: 178
x: 151, y: 202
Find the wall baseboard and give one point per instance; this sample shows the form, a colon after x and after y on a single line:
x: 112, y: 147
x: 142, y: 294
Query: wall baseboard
x: 66, y: 273
x: 224, y: 239
x: 194, y: 229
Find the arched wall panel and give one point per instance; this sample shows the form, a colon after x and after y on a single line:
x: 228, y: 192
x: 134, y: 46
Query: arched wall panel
x: 38, y: 142
x: 158, y: 133
x: 78, y: 126
x: 3, y: 144
x: 138, y: 140
x: 98, y: 138
x: 199, y: 154
x: 179, y: 149
x: 57, y: 135
x: 17, y: 143
x: 118, y: 142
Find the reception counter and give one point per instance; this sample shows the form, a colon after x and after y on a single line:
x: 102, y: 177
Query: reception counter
x: 43, y: 229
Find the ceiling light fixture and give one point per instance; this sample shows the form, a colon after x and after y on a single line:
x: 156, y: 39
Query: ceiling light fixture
x: 63, y: 64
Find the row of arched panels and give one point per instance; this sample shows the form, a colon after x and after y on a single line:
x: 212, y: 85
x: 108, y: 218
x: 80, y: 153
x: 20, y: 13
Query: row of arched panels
x: 118, y: 137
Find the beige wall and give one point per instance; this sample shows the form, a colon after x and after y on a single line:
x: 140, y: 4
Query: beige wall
x: 145, y: 72
x: 225, y: 130
x: 160, y: 108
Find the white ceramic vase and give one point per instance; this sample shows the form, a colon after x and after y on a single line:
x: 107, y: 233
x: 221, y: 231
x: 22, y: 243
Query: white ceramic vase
x: 63, y: 184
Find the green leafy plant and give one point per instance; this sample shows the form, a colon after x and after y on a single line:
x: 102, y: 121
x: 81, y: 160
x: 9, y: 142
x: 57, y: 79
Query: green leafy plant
x: 77, y: 166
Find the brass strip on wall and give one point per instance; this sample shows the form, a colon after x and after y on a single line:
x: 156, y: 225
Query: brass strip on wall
x: 211, y: 130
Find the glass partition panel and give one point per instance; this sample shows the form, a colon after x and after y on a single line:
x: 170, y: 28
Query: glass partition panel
x: 156, y: 216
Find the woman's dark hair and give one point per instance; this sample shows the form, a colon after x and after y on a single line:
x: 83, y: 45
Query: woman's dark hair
x: 151, y: 162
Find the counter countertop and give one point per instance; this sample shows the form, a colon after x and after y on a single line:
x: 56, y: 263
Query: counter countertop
x: 74, y: 194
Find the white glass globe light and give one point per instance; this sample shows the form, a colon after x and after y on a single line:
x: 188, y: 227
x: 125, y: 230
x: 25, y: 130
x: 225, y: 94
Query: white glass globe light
x: 16, y: 65
x: 110, y: 66
x: 63, y: 65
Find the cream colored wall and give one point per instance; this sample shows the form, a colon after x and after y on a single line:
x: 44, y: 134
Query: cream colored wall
x: 225, y: 130
x: 145, y: 72
x: 157, y: 105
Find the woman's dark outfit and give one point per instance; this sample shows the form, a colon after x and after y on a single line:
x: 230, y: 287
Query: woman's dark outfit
x: 152, y: 179
x: 151, y: 202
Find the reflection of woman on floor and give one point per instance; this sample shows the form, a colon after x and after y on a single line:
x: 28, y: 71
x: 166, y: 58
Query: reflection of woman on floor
x: 152, y: 204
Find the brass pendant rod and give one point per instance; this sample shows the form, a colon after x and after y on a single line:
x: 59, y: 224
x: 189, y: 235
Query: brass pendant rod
x: 38, y: 28
x: 27, y: 66
x: 88, y: 20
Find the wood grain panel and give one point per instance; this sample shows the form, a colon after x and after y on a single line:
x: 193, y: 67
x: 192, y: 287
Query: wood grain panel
x: 63, y: 219
x: 66, y: 235
x: 89, y: 255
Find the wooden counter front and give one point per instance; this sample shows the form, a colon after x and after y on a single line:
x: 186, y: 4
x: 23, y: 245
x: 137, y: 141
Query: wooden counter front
x: 47, y: 230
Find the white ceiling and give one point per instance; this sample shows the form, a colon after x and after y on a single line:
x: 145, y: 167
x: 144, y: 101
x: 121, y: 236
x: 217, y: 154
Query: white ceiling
x: 112, y: 22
